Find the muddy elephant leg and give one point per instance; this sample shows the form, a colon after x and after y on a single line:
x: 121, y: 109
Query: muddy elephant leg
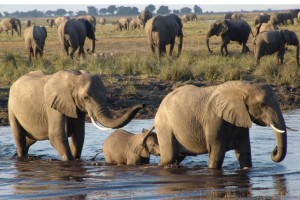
x: 57, y: 134
x: 19, y: 135
x: 76, y: 129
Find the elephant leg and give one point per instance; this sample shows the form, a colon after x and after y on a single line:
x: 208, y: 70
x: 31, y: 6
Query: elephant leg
x: 81, y: 51
x: 19, y: 135
x: 171, y: 48
x: 216, y: 156
x: 29, y: 142
x: 162, y: 50
x: 57, y: 134
x: 152, y: 48
x: 30, y: 52
x: 76, y: 128
x: 66, y: 47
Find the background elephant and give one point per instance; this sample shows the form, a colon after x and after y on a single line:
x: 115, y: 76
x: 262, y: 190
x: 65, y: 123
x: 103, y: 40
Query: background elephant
x: 72, y: 33
x: 189, y: 17
x: 19, y: 25
x: 53, y: 107
x: 298, y: 18
x: 7, y: 24
x: 59, y: 20
x: 294, y: 13
x: 261, y: 18
x: 35, y: 37
x: 124, y: 21
x: 198, y: 120
x: 236, y: 16
x: 28, y: 23
x: 163, y: 30
x: 281, y: 18
x: 118, y: 26
x: 229, y: 30
x: 91, y: 19
x: 50, y: 22
x: 119, y: 147
x: 135, y: 23
x: 228, y: 15
x: 102, y: 21
x: 145, y: 16
x: 267, y: 43
x: 263, y: 27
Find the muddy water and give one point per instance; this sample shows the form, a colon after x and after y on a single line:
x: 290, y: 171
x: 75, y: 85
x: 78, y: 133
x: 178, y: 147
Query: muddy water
x: 43, y: 176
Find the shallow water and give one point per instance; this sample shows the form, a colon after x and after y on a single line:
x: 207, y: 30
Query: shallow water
x: 39, y: 178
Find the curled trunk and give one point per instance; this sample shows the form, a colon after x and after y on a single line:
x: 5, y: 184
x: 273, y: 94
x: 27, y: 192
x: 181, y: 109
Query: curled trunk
x: 280, y: 150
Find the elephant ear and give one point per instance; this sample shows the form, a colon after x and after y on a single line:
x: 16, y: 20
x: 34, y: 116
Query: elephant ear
x: 57, y: 94
x: 221, y: 28
x: 139, y: 142
x: 229, y: 104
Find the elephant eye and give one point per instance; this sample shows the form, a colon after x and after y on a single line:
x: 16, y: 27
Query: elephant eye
x: 86, y: 98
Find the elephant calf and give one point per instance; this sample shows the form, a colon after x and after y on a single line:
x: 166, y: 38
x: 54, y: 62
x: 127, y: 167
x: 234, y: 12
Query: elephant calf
x: 35, y: 37
x: 121, y: 147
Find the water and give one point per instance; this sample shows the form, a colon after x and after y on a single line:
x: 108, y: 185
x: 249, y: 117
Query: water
x: 43, y: 176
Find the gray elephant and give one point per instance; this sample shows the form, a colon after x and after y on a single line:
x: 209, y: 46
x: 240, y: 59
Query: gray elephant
x: 228, y: 15
x: 102, y: 21
x: 237, y: 16
x: 281, y: 18
x: 91, y: 19
x: 59, y: 20
x: 145, y: 16
x: 35, y: 37
x: 189, y: 17
x: 267, y: 43
x: 163, y: 30
x: 230, y: 30
x: 294, y: 14
x: 198, y: 120
x: 124, y: 21
x: 261, y: 18
x: 7, y: 24
x: 50, y: 23
x: 263, y: 27
x: 28, y: 23
x: 72, y: 33
x: 118, y: 26
x: 135, y: 23
x: 18, y: 24
x: 120, y: 147
x: 53, y: 107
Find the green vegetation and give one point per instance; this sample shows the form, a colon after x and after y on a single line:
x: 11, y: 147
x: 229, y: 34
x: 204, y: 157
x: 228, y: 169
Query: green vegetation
x: 127, y: 53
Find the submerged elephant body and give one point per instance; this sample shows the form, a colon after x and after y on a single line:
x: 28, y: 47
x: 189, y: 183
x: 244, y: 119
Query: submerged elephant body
x: 53, y: 107
x: 192, y: 120
x: 119, y: 147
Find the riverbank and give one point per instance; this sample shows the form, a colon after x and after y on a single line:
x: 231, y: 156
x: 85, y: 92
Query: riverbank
x: 126, y: 91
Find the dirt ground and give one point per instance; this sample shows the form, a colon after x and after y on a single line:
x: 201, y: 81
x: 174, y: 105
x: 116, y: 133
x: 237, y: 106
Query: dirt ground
x: 151, y: 91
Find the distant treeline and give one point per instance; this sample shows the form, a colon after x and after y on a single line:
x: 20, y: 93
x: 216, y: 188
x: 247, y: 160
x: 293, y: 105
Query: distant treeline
x: 111, y: 10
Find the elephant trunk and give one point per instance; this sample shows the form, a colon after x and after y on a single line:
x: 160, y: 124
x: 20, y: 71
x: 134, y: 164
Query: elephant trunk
x: 280, y: 150
x: 207, y: 42
x: 104, y: 117
x: 297, y: 54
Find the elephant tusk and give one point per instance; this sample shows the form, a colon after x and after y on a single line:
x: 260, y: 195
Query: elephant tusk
x: 276, y: 129
x: 98, y: 126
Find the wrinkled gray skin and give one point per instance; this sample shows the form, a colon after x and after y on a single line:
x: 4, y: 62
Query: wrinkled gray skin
x: 59, y: 20
x: 145, y: 16
x: 35, y: 37
x: 72, y: 33
x: 228, y: 15
x: 53, y: 107
x: 261, y: 18
x: 267, y: 43
x: 28, y: 23
x: 135, y: 23
x: 125, y: 23
x: 263, y: 27
x: 102, y: 21
x: 163, y: 30
x: 7, y: 24
x: 237, y: 16
x: 230, y: 30
x: 50, y: 23
x: 199, y: 120
x: 281, y: 18
x: 120, y: 147
x: 91, y: 19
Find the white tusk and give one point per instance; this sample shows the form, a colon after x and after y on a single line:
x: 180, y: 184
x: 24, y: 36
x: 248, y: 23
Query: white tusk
x: 276, y: 129
x: 100, y: 127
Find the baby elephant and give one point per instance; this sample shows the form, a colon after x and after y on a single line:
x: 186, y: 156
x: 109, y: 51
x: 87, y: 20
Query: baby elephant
x: 122, y: 147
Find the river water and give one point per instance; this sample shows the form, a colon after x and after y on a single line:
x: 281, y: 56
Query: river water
x: 43, y: 176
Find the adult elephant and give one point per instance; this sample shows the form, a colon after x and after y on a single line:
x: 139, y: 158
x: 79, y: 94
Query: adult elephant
x: 263, y: 27
x: 124, y: 21
x: 18, y: 24
x: 7, y: 24
x: 35, y: 37
x: 28, y: 23
x: 53, y: 107
x: 135, y: 23
x: 145, y: 16
x: 91, y: 19
x: 102, y: 21
x: 50, y: 23
x: 59, y: 20
x: 72, y: 33
x: 267, y: 43
x: 281, y: 18
x: 261, y: 18
x: 163, y: 30
x: 228, y: 15
x: 230, y: 30
x: 198, y: 120
x: 294, y: 13
x: 237, y: 16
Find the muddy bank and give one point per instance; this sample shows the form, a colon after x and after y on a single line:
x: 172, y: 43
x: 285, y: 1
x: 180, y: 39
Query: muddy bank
x: 124, y: 92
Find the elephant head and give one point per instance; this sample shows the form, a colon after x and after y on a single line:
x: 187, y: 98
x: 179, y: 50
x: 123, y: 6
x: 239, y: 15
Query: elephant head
x: 218, y: 28
x: 291, y: 38
x: 90, y: 33
x: 252, y: 102
x: 72, y: 92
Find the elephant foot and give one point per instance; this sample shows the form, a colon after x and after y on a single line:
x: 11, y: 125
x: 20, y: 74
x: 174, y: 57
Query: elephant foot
x: 170, y: 165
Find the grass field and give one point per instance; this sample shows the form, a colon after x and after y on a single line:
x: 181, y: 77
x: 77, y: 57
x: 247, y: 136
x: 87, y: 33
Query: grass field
x: 127, y: 53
